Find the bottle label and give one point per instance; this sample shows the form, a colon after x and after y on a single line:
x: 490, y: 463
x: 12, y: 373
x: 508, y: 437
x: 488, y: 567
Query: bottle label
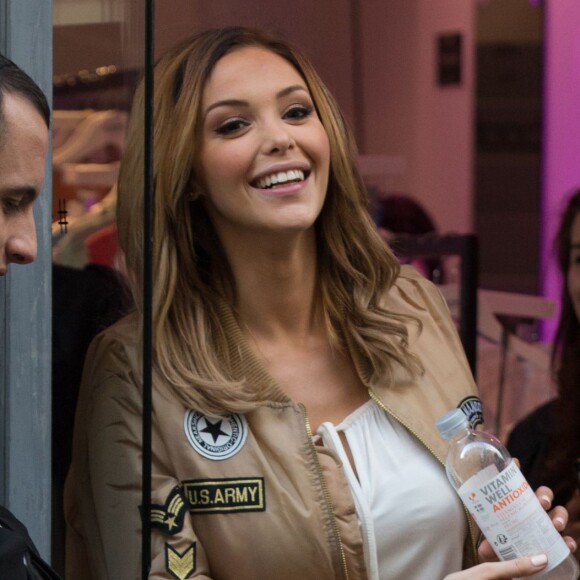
x: 510, y: 515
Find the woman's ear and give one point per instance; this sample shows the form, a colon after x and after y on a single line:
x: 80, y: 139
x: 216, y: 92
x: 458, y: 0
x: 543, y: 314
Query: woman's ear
x: 196, y: 190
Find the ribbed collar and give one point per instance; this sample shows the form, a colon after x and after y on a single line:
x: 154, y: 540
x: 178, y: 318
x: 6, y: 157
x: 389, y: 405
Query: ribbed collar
x: 245, y: 364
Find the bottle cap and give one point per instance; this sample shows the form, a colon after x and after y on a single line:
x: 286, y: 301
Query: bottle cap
x: 451, y: 423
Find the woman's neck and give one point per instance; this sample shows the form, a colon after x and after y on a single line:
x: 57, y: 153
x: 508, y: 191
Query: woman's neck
x: 276, y: 288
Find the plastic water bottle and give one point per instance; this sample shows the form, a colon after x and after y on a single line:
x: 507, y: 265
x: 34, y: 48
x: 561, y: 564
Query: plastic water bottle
x: 503, y: 505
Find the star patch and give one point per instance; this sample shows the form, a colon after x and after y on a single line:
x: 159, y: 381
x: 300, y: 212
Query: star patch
x: 473, y: 410
x: 169, y: 517
x: 216, y: 438
x: 180, y: 566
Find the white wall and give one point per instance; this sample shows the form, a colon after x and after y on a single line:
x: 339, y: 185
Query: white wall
x: 444, y: 127
x: 408, y: 114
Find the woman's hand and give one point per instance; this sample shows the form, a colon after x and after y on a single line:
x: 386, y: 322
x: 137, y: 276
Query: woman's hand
x: 492, y: 569
x: 573, y: 527
x: 559, y: 516
x: 519, y: 568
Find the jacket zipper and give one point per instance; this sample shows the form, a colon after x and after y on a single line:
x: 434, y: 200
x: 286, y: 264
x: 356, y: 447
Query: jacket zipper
x: 472, y: 533
x: 326, y: 494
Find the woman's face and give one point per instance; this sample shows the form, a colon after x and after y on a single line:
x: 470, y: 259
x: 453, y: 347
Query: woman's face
x: 265, y: 154
x: 573, y: 278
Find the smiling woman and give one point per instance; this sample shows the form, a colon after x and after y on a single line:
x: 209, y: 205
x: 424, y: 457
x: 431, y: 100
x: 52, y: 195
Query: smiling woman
x: 298, y: 368
x: 264, y: 153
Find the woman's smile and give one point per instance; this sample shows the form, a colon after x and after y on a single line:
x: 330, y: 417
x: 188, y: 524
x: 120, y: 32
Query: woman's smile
x: 282, y: 179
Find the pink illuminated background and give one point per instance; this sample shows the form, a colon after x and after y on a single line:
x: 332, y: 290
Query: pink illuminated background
x: 561, y: 154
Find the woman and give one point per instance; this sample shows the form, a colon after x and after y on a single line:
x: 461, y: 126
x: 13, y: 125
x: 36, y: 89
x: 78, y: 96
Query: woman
x: 286, y: 340
x: 547, y: 442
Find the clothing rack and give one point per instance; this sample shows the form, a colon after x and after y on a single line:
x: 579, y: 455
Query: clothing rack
x: 520, y: 307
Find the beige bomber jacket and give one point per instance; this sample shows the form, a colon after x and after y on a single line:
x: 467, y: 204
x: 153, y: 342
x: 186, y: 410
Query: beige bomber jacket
x: 249, y: 497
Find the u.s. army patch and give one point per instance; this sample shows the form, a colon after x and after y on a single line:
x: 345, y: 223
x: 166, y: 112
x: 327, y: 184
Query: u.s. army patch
x: 216, y: 438
x: 473, y: 410
x: 180, y: 566
x: 227, y: 495
x: 169, y: 517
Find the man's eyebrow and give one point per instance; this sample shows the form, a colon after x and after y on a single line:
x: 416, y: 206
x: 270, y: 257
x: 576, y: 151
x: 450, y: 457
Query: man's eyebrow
x: 241, y: 103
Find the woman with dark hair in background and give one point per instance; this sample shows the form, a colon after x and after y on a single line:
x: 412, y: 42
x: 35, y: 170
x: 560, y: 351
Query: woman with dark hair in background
x: 547, y: 442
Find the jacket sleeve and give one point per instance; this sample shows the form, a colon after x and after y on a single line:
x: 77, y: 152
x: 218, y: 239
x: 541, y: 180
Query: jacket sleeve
x: 105, y: 483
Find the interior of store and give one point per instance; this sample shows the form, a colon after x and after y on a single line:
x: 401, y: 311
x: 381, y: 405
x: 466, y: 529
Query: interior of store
x: 448, y: 102
x: 382, y: 60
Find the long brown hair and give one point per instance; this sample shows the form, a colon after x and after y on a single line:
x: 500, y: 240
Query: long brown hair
x: 565, y: 444
x: 191, y: 273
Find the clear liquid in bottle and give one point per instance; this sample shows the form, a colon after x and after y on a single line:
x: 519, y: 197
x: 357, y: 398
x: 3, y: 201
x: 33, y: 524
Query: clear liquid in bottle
x: 496, y: 494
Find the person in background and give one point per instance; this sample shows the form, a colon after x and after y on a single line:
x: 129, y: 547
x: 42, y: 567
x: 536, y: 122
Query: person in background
x: 24, y: 125
x: 84, y: 302
x: 298, y: 369
x: 547, y: 442
x: 398, y: 214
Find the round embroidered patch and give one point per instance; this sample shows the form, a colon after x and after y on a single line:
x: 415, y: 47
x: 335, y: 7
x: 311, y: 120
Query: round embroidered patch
x: 216, y: 438
x: 473, y: 410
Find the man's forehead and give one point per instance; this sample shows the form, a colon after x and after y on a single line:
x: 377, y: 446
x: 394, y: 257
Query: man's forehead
x: 24, y: 148
x: 21, y: 115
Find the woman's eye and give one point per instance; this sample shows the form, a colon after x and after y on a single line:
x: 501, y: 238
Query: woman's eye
x: 298, y: 112
x: 231, y: 126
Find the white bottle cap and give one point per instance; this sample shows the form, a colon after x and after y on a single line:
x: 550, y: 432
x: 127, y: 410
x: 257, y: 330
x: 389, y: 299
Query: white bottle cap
x: 451, y: 423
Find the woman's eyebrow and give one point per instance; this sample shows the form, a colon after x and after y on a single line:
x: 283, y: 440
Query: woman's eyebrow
x: 242, y: 103
x: 226, y: 103
x: 291, y: 89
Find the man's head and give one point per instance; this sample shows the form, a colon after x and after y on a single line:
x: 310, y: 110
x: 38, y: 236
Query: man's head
x: 24, y: 122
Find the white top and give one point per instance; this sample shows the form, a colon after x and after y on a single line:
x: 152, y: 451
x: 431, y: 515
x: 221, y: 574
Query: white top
x: 411, y: 519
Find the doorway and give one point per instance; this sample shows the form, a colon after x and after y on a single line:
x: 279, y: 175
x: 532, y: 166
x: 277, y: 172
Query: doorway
x: 508, y: 143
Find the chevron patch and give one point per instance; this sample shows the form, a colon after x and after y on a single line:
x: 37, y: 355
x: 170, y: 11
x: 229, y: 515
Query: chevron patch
x: 180, y: 566
x: 169, y: 517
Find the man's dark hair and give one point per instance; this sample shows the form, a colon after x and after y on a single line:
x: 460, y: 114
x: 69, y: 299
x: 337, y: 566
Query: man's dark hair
x: 14, y: 80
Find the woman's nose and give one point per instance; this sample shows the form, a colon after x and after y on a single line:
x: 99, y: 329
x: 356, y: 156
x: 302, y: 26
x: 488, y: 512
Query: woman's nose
x: 278, y: 138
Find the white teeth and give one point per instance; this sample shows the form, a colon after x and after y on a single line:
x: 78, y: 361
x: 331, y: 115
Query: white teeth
x: 280, y: 177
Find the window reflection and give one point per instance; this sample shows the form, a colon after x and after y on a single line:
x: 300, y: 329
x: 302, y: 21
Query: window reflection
x: 98, y: 53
